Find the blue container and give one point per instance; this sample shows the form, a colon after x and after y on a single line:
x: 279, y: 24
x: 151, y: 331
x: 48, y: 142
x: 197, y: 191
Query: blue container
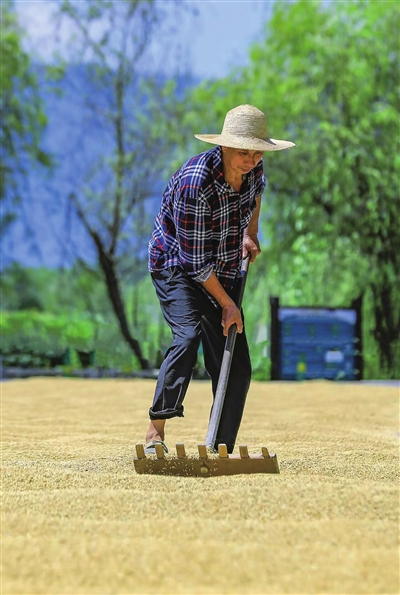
x: 317, y: 343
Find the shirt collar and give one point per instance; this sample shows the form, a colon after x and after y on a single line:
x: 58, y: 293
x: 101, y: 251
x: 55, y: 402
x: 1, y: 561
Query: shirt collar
x: 218, y: 172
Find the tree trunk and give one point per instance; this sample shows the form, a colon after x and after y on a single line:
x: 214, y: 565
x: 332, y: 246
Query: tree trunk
x: 387, y: 324
x: 108, y: 267
x: 107, y: 264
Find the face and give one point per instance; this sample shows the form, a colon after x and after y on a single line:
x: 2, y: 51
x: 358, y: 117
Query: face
x: 240, y: 161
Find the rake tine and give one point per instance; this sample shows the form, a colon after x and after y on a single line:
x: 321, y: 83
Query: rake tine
x: 244, y: 453
x: 206, y: 465
x: 180, y: 451
x: 140, y: 451
x: 202, y: 451
x: 159, y: 451
x: 222, y: 451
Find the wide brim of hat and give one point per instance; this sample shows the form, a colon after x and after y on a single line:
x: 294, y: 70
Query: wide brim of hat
x: 246, y: 143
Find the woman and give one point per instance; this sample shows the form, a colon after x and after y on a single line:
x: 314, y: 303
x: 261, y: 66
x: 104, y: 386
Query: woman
x: 208, y: 220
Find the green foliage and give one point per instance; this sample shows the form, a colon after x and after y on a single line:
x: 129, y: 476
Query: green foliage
x: 23, y: 119
x: 81, y: 335
x: 33, y: 333
x: 327, y: 76
x: 19, y: 289
x: 37, y: 338
x: 75, y: 312
x: 53, y: 290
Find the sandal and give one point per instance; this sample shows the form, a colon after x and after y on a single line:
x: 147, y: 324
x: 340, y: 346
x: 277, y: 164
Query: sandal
x: 150, y: 447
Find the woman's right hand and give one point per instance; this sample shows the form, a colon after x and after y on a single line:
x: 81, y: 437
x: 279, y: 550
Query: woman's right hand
x: 231, y: 315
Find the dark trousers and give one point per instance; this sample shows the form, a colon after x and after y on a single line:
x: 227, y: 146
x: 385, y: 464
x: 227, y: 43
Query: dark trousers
x: 192, y: 318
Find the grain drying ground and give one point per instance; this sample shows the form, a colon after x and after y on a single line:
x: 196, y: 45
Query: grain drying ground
x: 77, y: 519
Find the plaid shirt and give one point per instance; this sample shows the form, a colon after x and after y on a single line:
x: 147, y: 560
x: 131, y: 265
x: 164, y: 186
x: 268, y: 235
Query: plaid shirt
x: 201, y: 221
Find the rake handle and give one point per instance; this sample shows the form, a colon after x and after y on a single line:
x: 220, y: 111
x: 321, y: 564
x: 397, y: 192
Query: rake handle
x: 225, y: 366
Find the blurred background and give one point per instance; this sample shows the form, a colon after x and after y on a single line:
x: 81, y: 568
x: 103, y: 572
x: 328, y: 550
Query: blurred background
x: 100, y: 101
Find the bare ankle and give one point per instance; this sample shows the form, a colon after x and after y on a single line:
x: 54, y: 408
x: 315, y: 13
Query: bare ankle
x: 154, y: 436
x: 156, y: 430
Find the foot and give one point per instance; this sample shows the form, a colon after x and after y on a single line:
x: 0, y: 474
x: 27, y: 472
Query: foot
x: 150, y: 447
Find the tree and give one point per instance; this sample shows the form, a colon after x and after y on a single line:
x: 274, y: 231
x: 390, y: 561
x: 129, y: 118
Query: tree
x: 328, y: 77
x: 22, y: 120
x: 131, y: 111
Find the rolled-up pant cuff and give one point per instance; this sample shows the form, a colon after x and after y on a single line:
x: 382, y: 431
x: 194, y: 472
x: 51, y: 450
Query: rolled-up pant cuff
x: 166, y: 413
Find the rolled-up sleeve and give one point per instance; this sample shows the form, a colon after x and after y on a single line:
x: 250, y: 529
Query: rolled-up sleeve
x: 193, y: 223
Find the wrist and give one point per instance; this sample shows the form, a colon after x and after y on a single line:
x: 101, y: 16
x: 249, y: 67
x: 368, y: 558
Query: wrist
x: 227, y: 302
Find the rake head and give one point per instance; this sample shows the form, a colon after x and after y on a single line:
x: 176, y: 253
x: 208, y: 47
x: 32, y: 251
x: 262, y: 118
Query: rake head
x: 206, y: 465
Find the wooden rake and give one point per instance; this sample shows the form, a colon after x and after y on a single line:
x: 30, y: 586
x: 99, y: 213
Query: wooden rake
x: 208, y: 463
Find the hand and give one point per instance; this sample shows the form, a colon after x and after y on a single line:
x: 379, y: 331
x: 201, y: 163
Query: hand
x: 251, y: 246
x: 231, y: 315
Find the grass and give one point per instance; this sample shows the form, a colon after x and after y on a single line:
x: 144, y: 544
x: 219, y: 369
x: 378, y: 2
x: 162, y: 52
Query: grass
x: 77, y: 519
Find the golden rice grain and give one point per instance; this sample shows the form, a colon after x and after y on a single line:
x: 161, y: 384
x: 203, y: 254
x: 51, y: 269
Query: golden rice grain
x: 77, y: 519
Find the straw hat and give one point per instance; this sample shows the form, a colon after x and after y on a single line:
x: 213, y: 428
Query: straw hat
x: 245, y: 127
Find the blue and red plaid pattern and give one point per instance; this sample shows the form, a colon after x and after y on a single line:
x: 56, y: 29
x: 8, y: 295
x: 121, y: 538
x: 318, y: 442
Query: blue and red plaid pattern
x: 201, y: 220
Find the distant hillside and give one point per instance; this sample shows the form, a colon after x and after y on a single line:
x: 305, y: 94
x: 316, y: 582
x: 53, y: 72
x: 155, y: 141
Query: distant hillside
x: 49, y: 233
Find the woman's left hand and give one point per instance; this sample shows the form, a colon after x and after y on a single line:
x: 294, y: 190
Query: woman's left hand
x: 251, y: 246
